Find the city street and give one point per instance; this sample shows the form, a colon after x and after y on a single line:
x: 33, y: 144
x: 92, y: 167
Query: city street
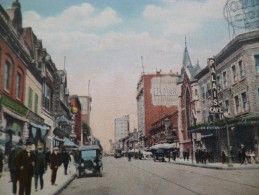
x: 147, y: 177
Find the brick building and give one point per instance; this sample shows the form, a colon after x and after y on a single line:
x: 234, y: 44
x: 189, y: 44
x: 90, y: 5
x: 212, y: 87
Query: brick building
x: 157, y: 96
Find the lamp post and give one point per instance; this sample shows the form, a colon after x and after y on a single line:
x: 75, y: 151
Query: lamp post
x: 167, y: 124
x: 226, y: 117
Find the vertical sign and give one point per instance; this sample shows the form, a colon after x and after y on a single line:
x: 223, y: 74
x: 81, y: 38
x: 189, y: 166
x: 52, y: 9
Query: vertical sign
x: 215, y: 106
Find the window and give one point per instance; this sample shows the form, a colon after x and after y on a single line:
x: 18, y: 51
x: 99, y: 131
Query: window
x: 241, y: 69
x: 234, y: 73
x: 257, y: 63
x: 226, y: 105
x: 36, y: 99
x: 196, y: 92
x: 244, y: 101
x: 18, y: 86
x: 218, y: 81
x: 237, y: 104
x: 208, y: 90
x: 202, y: 92
x: 46, y: 97
x: 30, y: 98
x: 6, y: 75
x: 224, y: 79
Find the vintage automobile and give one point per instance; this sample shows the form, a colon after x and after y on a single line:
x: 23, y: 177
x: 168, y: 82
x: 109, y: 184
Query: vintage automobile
x: 159, y: 154
x: 88, y: 161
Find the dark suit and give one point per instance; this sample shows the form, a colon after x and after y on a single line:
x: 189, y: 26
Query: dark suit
x: 39, y: 169
x: 26, y: 163
x: 55, y: 162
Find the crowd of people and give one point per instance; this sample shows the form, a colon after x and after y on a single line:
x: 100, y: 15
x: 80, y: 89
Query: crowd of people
x: 25, y: 163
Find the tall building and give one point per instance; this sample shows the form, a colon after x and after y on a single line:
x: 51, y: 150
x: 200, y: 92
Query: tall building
x: 157, y: 96
x: 121, y: 127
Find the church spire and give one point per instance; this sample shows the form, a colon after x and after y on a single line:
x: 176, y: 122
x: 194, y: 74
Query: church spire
x: 186, y: 58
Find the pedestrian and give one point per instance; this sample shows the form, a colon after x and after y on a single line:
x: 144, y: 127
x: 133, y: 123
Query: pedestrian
x: 187, y: 154
x: 47, y: 155
x: 26, y: 162
x: 55, y: 162
x: 184, y: 154
x: 174, y: 154
x: 223, y: 155
x: 40, y: 167
x: 1, y: 162
x: 242, y: 154
x: 13, y: 166
x: 65, y: 160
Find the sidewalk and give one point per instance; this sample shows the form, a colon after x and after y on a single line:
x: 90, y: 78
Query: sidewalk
x: 62, y: 181
x: 214, y: 165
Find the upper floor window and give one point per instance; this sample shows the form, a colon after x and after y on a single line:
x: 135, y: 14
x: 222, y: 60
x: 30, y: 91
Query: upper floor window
x: 218, y: 81
x: 195, y: 92
x: 244, y: 101
x: 234, y: 73
x: 257, y: 63
x: 208, y: 90
x: 241, y: 69
x: 30, y: 98
x: 36, y: 99
x: 202, y: 92
x: 226, y: 106
x: 237, y: 104
x: 7, y: 67
x: 224, y: 79
x: 46, y: 97
x: 18, y: 85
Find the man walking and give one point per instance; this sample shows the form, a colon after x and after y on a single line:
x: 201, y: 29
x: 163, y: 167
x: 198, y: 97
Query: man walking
x: 55, y: 162
x: 65, y: 159
x: 26, y: 162
x: 40, y: 168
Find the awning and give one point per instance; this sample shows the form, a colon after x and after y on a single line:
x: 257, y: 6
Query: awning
x: 69, y: 143
x: 164, y: 146
x: 63, y: 119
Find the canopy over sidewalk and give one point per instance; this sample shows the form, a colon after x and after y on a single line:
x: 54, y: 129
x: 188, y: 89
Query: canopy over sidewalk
x: 164, y: 146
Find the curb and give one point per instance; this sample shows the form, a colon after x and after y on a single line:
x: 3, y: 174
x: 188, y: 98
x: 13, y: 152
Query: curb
x: 215, y: 167
x: 64, y: 185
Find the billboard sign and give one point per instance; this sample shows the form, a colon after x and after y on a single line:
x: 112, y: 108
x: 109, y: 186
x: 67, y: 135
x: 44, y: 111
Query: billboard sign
x: 242, y: 14
x: 164, y: 90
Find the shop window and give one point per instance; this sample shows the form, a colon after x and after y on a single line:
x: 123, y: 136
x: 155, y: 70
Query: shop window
x: 18, y: 86
x: 30, y: 98
x: 241, y: 69
x: 234, y: 73
x: 244, y: 101
x: 257, y: 63
x: 7, y: 67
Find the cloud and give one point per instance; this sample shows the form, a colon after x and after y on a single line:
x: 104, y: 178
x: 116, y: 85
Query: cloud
x: 183, y: 16
x: 75, y: 17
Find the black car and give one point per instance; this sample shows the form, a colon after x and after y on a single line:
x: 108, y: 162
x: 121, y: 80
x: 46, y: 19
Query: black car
x: 88, y: 161
x: 159, y: 155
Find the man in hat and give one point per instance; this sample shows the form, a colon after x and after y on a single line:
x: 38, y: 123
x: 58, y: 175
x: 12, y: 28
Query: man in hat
x: 55, y: 162
x: 40, y: 167
x: 26, y: 162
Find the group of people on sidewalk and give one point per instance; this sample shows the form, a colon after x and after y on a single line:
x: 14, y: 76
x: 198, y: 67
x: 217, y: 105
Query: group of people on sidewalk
x: 24, y: 163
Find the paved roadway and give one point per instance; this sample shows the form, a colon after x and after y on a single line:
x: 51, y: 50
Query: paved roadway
x: 145, y: 177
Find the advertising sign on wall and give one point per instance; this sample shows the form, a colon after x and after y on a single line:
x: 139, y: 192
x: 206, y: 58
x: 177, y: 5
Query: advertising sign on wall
x: 164, y: 90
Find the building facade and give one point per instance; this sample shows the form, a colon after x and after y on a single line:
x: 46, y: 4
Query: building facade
x: 229, y: 100
x: 121, y: 128
x: 157, y: 96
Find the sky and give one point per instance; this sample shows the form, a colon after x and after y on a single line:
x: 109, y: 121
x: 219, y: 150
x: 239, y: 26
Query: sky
x: 103, y: 41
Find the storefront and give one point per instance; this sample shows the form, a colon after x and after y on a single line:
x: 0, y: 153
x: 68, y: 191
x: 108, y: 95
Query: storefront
x: 13, y: 122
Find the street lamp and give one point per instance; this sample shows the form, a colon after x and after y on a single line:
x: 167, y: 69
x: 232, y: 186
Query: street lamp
x: 226, y: 117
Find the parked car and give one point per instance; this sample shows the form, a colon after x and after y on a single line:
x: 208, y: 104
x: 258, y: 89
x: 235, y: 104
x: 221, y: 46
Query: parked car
x: 88, y: 161
x: 118, y: 153
x: 159, y: 155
